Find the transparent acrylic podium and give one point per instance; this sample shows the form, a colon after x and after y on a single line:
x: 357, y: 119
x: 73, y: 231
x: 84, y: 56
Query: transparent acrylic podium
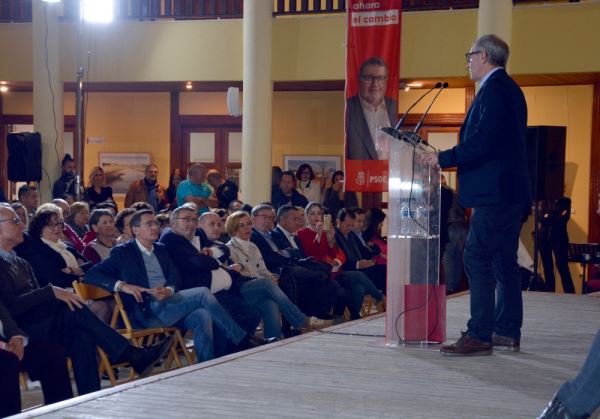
x: 416, y: 302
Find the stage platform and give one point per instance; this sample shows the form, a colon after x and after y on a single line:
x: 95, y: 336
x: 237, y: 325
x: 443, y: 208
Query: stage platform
x: 350, y: 373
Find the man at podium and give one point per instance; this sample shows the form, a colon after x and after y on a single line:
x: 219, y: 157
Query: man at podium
x: 491, y: 162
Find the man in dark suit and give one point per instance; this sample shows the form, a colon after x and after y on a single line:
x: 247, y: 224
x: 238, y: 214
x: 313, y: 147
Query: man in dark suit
x: 368, y: 111
x: 491, y: 161
x: 144, y: 270
x: 42, y: 361
x: 357, y: 258
x: 55, y: 315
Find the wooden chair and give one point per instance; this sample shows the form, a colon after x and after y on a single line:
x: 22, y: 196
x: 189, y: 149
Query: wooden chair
x: 138, y: 337
x: 369, y: 305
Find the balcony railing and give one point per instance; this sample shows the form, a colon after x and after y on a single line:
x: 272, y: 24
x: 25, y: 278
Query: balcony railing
x: 20, y: 10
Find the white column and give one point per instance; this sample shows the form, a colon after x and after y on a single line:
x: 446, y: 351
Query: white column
x: 495, y: 17
x: 48, y: 114
x: 257, y: 106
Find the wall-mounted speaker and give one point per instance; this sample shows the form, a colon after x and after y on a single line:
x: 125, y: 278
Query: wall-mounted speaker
x: 233, y: 101
x: 24, y: 156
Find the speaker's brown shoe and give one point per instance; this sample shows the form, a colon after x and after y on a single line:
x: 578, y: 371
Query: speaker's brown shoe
x: 467, y: 346
x: 504, y: 342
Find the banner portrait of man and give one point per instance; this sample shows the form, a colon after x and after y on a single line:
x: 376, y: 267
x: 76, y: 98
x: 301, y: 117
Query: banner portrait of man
x: 369, y: 110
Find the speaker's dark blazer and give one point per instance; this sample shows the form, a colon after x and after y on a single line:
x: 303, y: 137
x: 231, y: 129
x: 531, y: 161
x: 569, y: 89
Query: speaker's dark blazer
x: 126, y: 263
x: 195, y: 267
x: 491, y: 158
x: 359, y: 143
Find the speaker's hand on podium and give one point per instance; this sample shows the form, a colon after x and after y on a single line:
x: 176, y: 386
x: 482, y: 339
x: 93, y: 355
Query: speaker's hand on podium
x: 430, y: 159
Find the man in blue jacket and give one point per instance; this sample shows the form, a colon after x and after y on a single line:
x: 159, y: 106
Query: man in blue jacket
x: 491, y: 161
x: 143, y: 269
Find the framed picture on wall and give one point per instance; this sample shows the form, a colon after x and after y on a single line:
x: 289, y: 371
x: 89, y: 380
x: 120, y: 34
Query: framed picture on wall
x: 323, y: 166
x: 121, y: 169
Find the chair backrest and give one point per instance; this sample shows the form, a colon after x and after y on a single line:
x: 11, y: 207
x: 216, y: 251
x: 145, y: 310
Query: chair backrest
x: 92, y: 292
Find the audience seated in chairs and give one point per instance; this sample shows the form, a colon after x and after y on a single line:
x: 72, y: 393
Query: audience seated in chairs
x: 51, y: 314
x: 122, y: 224
x: 78, y: 218
x: 53, y: 261
x: 305, y: 281
x: 145, y: 272
x: 102, y: 222
x: 319, y: 243
x: 358, y: 257
x: 199, y: 268
x: 261, y: 291
x: 69, y: 235
x: 371, y: 234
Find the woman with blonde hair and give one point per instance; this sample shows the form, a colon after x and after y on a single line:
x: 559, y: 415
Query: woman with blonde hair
x: 96, y: 191
x: 261, y: 290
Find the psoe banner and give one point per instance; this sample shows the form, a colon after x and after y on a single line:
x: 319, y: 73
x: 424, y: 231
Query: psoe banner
x: 372, y: 74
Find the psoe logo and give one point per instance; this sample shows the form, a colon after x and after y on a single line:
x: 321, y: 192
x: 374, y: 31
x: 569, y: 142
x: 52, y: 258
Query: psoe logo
x: 360, y: 178
x: 378, y: 179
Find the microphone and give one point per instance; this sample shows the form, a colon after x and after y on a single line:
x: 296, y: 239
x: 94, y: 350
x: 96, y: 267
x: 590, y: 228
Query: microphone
x: 408, y: 136
x: 420, y: 123
x: 403, y: 118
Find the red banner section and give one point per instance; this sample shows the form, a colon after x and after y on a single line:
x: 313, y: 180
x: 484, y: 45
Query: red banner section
x: 372, y: 74
x: 367, y: 175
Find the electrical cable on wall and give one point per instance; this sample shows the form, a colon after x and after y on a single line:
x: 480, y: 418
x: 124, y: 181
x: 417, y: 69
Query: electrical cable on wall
x: 58, y: 159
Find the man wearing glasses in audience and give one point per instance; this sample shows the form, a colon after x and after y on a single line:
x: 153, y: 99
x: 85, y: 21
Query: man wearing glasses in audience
x: 368, y: 111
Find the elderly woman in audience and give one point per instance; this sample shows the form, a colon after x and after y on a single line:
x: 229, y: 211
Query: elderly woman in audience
x: 308, y: 185
x: 122, y: 225
x: 318, y: 241
x: 96, y: 191
x: 163, y: 219
x: 53, y: 261
x: 336, y: 197
x: 261, y: 290
x: 102, y: 222
x: 21, y: 212
x: 78, y: 218
x: 69, y: 235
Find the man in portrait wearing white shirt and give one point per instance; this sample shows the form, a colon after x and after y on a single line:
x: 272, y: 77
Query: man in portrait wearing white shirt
x: 368, y: 111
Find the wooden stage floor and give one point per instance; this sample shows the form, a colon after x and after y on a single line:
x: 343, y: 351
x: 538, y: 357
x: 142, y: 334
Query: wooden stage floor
x: 323, y: 375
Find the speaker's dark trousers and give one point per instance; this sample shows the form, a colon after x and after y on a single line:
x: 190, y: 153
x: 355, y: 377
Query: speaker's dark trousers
x: 42, y: 361
x: 79, y: 331
x: 490, y: 260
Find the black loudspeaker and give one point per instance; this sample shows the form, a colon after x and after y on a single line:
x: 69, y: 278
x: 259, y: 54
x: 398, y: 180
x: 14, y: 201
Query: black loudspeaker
x: 24, y: 156
x: 546, y: 159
